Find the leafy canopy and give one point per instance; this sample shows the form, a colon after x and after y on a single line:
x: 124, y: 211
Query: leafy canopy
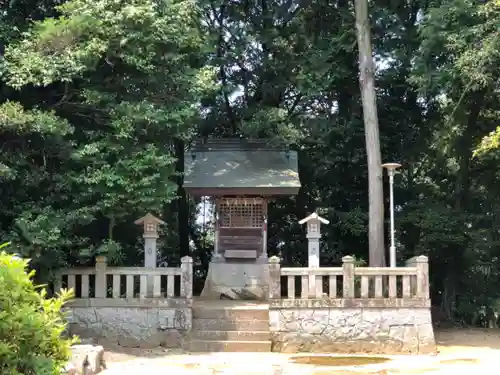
x: 127, y: 76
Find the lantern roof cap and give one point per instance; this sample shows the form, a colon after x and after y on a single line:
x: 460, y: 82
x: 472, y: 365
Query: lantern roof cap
x: 314, y: 216
x: 149, y: 218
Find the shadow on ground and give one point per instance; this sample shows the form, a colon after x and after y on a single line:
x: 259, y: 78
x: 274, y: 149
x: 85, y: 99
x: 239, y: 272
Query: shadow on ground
x: 459, y: 339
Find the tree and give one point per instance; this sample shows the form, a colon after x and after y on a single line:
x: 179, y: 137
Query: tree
x: 456, y: 71
x: 369, y: 99
x: 125, y: 80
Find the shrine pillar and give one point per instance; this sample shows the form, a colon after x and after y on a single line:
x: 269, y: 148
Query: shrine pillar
x: 216, y: 255
x: 263, y: 256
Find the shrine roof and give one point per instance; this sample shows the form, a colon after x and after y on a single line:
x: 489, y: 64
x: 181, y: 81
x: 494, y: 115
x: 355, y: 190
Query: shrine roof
x: 240, y: 167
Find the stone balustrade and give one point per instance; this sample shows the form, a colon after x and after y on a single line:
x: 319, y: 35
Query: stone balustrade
x: 128, y: 282
x: 351, y: 309
x: 130, y: 306
x: 383, y: 285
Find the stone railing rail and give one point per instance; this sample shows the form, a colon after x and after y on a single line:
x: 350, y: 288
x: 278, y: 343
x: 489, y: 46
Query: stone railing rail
x: 311, y: 281
x: 141, y: 282
x: 347, y: 285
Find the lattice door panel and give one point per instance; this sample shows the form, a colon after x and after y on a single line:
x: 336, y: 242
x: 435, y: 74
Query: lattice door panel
x: 241, y: 215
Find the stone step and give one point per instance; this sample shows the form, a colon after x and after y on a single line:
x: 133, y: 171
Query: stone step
x: 221, y: 324
x: 229, y: 346
x: 224, y: 239
x: 230, y: 313
x: 240, y: 246
x: 243, y: 253
x: 231, y: 335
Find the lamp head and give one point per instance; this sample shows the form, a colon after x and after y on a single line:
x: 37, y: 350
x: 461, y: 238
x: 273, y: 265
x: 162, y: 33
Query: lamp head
x: 391, y: 166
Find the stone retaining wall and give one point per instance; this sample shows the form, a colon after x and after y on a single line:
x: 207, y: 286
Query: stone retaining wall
x: 138, y: 323
x: 352, y: 330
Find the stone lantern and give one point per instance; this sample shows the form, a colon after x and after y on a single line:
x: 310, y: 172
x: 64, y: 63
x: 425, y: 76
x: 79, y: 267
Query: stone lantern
x: 150, y: 224
x: 314, y: 222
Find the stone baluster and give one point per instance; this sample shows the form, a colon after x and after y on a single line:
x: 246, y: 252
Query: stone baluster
x: 101, y: 284
x: 419, y: 284
x: 274, y: 278
x: 57, y: 283
x: 422, y: 263
x: 187, y: 277
x: 348, y: 277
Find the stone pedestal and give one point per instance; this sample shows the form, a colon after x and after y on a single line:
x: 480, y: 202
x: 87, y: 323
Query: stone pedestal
x: 236, y: 281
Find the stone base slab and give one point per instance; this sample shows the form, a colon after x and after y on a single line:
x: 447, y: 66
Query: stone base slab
x: 381, y: 331
x: 236, y: 281
x: 208, y: 346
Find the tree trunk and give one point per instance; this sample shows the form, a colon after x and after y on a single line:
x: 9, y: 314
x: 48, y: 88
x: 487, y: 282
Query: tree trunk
x: 369, y: 100
x: 182, y: 201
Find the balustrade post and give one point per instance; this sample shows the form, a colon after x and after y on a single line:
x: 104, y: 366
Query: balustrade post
x: 412, y: 262
x: 57, y: 283
x: 100, y: 277
x: 348, y: 277
x: 422, y: 263
x: 187, y: 277
x: 274, y: 278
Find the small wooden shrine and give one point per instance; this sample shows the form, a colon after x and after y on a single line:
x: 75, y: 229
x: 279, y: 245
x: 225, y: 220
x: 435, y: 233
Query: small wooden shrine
x: 241, y: 176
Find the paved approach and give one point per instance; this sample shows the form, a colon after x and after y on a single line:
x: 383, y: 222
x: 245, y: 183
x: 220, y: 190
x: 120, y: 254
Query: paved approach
x: 280, y: 364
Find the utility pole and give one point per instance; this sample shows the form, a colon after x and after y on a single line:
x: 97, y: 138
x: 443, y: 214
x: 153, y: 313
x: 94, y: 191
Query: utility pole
x: 372, y: 139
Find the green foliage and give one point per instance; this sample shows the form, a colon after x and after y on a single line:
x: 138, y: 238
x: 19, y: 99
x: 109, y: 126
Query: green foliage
x: 14, y: 118
x: 124, y: 81
x: 460, y: 38
x: 488, y: 143
x: 31, y: 325
x: 120, y: 159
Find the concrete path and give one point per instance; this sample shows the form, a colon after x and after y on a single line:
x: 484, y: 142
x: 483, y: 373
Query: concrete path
x: 462, y: 351
x: 281, y: 364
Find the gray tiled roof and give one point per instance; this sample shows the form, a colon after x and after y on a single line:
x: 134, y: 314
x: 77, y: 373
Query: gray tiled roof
x: 241, y: 169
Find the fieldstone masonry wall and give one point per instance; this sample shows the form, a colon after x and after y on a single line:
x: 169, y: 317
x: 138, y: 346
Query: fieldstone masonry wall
x: 144, y: 326
x: 352, y: 330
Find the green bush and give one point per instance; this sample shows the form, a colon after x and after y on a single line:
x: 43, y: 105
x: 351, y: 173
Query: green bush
x: 31, y: 325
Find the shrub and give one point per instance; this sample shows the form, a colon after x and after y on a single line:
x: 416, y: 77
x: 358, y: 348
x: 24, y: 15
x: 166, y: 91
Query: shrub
x: 31, y: 325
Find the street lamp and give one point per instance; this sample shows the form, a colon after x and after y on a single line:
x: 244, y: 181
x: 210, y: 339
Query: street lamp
x: 391, y: 167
